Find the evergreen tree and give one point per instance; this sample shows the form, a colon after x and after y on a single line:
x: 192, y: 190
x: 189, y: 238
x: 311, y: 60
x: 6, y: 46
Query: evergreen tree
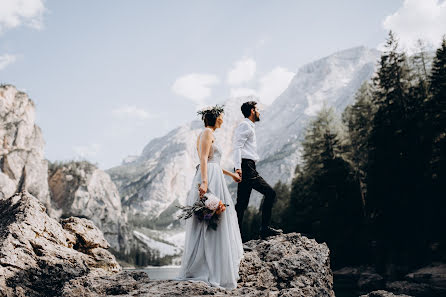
x: 391, y: 182
x: 325, y: 199
x: 436, y: 107
x: 436, y: 125
x: 278, y: 218
x: 358, y: 118
x: 420, y: 66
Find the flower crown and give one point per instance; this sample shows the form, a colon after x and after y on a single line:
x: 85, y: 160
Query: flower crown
x: 216, y: 110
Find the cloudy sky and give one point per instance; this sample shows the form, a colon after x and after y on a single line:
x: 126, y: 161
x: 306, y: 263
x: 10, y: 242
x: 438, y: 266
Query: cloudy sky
x: 107, y: 76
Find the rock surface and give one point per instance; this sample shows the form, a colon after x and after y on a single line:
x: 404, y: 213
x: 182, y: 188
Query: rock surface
x: 81, y: 189
x: 429, y: 281
x: 434, y: 276
x: 363, y: 278
x: 22, y: 162
x: 285, y: 265
x: 38, y: 254
x: 382, y: 293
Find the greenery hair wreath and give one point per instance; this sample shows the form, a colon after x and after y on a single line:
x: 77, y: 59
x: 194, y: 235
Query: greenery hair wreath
x: 216, y: 110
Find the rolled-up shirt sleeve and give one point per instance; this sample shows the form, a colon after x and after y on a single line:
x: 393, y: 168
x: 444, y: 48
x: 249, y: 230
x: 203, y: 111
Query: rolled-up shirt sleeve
x: 241, y: 134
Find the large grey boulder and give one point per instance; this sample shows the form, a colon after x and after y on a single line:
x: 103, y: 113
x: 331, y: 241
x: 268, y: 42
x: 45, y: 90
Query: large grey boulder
x: 38, y: 254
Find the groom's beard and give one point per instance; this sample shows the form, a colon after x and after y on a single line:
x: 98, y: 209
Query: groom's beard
x: 257, y: 118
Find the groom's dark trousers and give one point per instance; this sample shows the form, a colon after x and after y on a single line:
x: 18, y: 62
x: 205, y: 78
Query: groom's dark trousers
x: 252, y: 180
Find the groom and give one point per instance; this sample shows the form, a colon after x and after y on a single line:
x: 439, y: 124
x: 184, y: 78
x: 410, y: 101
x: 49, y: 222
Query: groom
x: 245, y: 158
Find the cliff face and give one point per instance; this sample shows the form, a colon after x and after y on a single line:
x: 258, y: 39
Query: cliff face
x: 80, y: 189
x: 22, y: 162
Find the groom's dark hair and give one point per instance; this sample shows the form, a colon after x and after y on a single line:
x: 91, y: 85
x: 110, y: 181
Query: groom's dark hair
x: 246, y: 108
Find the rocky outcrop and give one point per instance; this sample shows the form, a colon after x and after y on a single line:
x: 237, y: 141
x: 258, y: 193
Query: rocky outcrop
x: 38, y: 254
x: 22, y: 162
x: 289, y: 263
x: 285, y: 265
x: 81, y: 189
x: 41, y: 257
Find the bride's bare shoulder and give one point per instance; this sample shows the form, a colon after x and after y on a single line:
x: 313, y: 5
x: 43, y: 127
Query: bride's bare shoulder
x: 207, y: 134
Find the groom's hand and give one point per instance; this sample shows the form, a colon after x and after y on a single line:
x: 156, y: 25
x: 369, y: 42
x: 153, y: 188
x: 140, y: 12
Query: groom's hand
x: 239, y: 172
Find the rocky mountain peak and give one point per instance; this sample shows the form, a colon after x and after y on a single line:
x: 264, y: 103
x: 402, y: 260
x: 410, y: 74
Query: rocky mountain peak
x: 22, y: 162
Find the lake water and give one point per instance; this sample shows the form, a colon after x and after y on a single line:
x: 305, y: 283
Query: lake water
x: 170, y: 272
x: 160, y: 273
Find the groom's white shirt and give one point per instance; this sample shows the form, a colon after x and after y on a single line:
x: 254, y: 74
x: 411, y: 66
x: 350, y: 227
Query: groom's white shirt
x: 244, y: 143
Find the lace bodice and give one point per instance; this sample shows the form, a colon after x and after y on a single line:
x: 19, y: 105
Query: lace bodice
x: 214, y: 151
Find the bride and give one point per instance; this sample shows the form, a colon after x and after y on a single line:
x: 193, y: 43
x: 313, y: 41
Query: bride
x: 211, y: 255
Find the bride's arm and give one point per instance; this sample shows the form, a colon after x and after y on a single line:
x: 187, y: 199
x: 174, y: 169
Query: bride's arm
x: 206, y: 141
x: 234, y: 176
x: 227, y: 172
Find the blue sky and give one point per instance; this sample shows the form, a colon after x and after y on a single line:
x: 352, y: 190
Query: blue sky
x: 109, y: 76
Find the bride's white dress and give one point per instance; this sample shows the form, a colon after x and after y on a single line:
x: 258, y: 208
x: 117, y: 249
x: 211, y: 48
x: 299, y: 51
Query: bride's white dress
x: 212, y: 255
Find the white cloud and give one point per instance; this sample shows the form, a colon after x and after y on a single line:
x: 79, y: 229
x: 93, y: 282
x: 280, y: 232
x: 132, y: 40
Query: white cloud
x: 273, y: 84
x: 243, y: 71
x: 86, y: 151
x: 131, y: 111
x: 418, y: 19
x: 195, y: 86
x: 14, y: 13
x: 241, y: 92
x: 5, y: 60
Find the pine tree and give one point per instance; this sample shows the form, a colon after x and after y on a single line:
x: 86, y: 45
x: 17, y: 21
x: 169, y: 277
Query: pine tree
x: 321, y: 141
x: 384, y: 149
x: 420, y: 66
x: 279, y: 218
x: 390, y: 182
x: 436, y: 126
x: 358, y: 118
x: 324, y: 196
